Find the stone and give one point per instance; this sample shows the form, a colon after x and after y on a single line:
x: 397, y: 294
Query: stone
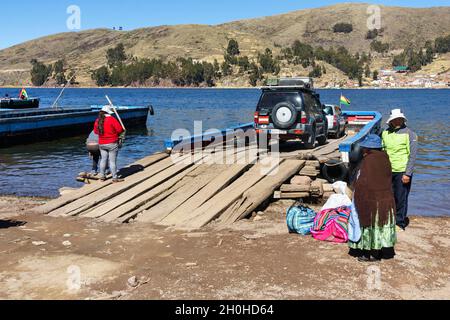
x: 133, y: 282
x: 301, y: 180
x: 39, y: 243
x: 67, y: 243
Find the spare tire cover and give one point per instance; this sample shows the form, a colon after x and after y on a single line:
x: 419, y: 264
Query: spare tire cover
x: 284, y: 115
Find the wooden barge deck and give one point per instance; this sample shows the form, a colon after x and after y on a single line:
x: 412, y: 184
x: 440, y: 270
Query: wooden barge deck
x: 191, y: 190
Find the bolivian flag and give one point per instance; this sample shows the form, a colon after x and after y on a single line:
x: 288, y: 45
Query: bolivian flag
x: 345, y: 101
x: 23, y: 94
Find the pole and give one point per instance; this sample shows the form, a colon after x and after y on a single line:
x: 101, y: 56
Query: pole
x: 115, y: 111
x: 61, y: 93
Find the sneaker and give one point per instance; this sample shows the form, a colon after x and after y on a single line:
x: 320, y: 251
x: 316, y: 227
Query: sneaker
x: 103, y: 179
x: 117, y: 180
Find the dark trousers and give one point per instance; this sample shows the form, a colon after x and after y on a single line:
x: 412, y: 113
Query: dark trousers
x: 401, y: 193
x: 95, y: 161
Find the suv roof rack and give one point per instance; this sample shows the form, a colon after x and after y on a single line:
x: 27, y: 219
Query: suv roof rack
x: 290, y: 83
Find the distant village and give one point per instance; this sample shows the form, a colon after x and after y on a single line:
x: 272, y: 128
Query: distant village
x: 401, y: 77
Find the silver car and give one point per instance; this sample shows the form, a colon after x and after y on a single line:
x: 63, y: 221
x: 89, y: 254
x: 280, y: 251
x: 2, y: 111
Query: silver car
x: 337, y: 123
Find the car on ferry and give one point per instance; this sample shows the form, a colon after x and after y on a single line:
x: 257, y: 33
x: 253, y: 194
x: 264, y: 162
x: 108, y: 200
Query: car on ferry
x: 291, y: 109
x: 337, y: 122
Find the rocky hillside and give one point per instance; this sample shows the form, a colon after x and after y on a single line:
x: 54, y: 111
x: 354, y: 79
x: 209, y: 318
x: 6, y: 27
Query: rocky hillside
x: 85, y: 50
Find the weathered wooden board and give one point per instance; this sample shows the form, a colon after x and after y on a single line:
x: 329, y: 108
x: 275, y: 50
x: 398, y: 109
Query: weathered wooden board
x: 291, y: 195
x: 88, y: 189
x: 219, y: 203
x: 164, y: 208
x: 295, y: 188
x: 89, y: 201
x: 133, y: 204
x: 137, y: 190
x: 221, y: 181
x: 260, y: 192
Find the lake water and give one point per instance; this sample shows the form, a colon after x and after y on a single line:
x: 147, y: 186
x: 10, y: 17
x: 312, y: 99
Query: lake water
x: 41, y: 169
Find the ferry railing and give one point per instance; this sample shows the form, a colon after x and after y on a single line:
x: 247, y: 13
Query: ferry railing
x: 351, y: 145
x: 205, y: 139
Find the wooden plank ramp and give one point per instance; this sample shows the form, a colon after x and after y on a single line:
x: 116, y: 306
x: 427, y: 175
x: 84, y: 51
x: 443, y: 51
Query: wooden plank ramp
x: 190, y: 191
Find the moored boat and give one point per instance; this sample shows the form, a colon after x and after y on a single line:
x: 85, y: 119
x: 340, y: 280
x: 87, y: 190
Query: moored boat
x: 28, y: 126
x: 18, y: 104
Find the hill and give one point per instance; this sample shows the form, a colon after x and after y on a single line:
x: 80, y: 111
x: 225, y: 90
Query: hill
x: 85, y: 50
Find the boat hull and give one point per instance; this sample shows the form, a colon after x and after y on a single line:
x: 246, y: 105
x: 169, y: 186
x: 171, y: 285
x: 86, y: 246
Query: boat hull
x: 18, y: 128
x: 18, y: 104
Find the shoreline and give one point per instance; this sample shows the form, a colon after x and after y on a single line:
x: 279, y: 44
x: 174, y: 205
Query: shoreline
x: 208, y: 264
x: 27, y: 199
x: 223, y: 88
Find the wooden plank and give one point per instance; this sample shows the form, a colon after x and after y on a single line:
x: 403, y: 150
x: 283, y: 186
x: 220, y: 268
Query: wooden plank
x: 219, y: 203
x: 112, y: 190
x: 129, y: 194
x: 215, y: 186
x: 291, y: 195
x: 295, y: 188
x: 133, y: 204
x: 164, y: 208
x: 149, y: 203
x: 89, y: 189
x: 260, y: 192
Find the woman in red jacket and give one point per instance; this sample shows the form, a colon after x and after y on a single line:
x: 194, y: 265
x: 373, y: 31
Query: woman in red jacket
x: 109, y: 130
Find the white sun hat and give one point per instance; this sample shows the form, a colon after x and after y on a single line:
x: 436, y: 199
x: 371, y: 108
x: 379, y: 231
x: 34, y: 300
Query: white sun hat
x: 108, y: 110
x: 396, y: 114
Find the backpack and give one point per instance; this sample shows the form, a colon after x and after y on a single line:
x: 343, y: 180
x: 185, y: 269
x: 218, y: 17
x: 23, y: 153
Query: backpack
x: 332, y: 225
x: 300, y: 220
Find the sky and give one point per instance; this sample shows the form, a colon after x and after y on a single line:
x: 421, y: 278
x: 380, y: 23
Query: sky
x: 29, y: 19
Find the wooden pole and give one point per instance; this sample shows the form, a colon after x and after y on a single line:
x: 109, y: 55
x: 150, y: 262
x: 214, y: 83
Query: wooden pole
x: 115, y: 111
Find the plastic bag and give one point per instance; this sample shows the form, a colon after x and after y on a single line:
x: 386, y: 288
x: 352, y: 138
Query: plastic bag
x: 354, y: 227
x: 340, y: 199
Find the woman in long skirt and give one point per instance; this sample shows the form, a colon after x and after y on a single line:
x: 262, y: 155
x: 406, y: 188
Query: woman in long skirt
x: 375, y: 204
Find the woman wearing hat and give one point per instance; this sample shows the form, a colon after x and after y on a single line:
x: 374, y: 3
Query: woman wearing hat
x: 401, y: 145
x: 375, y: 203
x: 109, y: 130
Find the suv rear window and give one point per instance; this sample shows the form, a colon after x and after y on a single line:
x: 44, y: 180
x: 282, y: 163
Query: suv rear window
x: 328, y: 111
x: 271, y: 99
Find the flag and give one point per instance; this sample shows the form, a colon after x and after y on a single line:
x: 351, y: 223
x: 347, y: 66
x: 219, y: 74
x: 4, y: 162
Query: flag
x: 345, y: 101
x: 23, y: 94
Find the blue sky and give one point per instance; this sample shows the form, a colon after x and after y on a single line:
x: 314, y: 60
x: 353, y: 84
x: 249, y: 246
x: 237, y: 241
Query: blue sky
x: 27, y: 19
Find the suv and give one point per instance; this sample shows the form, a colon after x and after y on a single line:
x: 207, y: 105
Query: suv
x: 337, y: 123
x: 291, y: 109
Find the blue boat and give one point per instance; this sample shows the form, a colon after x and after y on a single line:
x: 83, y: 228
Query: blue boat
x: 28, y: 126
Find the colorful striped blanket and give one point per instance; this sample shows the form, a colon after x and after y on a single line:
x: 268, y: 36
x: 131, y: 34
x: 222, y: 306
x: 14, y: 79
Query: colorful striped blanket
x: 332, y: 225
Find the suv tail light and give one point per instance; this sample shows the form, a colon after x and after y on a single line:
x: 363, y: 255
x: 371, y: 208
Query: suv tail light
x: 261, y: 119
x: 335, y: 121
x: 256, y: 117
x: 303, y: 119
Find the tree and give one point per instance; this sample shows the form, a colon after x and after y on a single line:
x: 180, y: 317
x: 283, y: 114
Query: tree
x: 59, y: 75
x: 39, y: 73
x: 442, y: 44
x: 375, y: 75
x: 101, y: 76
x: 233, y: 48
x: 343, y: 28
x: 379, y: 46
x: 367, y: 71
x: 316, y: 72
x: 256, y: 74
x: 267, y: 62
x: 116, y: 56
x: 226, y: 69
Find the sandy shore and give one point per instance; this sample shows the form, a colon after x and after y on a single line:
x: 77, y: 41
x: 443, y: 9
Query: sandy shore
x: 58, y: 258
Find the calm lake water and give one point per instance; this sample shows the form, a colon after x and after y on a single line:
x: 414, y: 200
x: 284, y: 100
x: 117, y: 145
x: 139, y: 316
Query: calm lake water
x: 41, y: 169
